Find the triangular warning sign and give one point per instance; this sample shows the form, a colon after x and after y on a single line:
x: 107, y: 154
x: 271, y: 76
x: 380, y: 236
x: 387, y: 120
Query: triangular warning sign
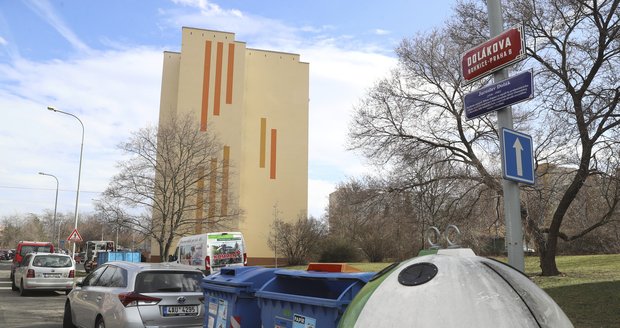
x: 75, y: 236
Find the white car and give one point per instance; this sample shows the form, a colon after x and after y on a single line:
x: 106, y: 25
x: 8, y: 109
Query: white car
x: 129, y: 294
x: 44, y: 271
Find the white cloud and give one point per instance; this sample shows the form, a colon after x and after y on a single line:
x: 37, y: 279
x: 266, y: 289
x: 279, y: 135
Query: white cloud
x: 117, y: 91
x: 3, y: 41
x: 192, y: 3
x: 382, y: 32
x: 318, y: 196
x: 113, y: 93
x: 338, y: 80
x: 46, y: 11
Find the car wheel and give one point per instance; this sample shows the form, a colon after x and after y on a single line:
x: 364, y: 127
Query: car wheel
x: 100, y: 323
x: 67, y: 321
x: 22, y: 290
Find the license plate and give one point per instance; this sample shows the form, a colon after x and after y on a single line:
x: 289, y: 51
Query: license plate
x: 183, y: 310
x: 51, y: 275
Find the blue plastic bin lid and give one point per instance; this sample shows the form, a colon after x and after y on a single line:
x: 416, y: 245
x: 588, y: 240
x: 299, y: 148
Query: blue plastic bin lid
x: 361, y: 276
x: 316, y: 288
x: 249, y: 278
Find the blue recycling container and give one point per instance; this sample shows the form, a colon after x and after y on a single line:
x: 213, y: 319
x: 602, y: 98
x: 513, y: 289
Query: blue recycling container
x: 304, y: 299
x: 105, y: 256
x: 230, y: 299
x: 132, y: 257
x: 102, y: 257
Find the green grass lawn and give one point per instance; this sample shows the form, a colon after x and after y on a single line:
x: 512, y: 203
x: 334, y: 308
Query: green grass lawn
x: 588, y: 290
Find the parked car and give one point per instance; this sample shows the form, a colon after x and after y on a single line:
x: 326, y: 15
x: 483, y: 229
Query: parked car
x: 137, y: 294
x: 5, y: 254
x: 44, y: 271
x: 26, y: 247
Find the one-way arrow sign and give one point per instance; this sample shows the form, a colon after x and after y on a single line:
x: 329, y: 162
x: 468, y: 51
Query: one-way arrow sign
x: 518, y: 150
x: 517, y: 156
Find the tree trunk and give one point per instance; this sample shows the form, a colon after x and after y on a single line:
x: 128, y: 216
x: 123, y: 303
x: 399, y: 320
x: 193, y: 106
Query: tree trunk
x: 547, y: 256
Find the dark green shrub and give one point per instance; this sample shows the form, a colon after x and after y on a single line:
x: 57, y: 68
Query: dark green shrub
x: 338, y: 250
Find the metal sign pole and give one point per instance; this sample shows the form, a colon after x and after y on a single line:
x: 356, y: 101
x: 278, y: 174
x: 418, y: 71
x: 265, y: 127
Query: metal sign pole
x: 512, y: 206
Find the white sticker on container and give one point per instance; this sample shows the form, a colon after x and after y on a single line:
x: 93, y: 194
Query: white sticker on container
x: 213, y: 305
x: 222, y: 312
x: 300, y: 321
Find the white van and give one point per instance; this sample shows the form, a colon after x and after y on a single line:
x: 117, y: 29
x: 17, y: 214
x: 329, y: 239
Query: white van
x: 211, y: 251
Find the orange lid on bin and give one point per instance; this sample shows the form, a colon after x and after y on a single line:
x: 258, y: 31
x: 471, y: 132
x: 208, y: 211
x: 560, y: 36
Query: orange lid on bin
x: 332, y: 267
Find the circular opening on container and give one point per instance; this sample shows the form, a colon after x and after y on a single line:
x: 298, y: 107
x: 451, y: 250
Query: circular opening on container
x: 417, y: 274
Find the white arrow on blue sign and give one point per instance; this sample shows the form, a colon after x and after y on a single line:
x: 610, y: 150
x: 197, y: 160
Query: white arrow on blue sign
x: 517, y: 156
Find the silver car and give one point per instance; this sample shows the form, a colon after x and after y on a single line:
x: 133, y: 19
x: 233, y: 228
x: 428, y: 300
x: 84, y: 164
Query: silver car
x: 44, y: 271
x: 127, y: 294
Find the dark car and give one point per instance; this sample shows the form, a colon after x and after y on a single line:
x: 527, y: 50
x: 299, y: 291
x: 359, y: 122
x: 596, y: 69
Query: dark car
x: 5, y: 254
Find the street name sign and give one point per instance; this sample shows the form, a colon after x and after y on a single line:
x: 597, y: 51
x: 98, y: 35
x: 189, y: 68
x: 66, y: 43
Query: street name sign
x: 75, y: 236
x: 517, y: 156
x: 499, y: 95
x: 496, y: 53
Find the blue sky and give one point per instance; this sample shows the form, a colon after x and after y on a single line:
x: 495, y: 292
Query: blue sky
x: 102, y: 61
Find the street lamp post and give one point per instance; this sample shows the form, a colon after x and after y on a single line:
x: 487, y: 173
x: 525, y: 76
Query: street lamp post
x: 77, y: 196
x: 55, y: 207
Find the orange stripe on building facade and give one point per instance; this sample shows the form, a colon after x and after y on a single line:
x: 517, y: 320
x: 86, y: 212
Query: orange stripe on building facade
x: 212, y: 187
x: 263, y: 142
x: 229, y: 73
x: 205, y: 87
x: 226, y: 166
x: 218, y: 79
x: 272, y: 163
x: 200, y: 201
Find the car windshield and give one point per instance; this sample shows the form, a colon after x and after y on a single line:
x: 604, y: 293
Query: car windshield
x: 32, y: 249
x: 168, y: 282
x: 52, y: 261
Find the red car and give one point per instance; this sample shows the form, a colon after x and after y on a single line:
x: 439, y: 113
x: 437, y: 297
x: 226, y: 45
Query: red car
x: 26, y: 247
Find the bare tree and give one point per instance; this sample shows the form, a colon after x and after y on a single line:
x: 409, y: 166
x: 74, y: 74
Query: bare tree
x: 574, y: 48
x: 297, y: 240
x: 160, y: 190
x: 11, y: 231
x: 375, y: 221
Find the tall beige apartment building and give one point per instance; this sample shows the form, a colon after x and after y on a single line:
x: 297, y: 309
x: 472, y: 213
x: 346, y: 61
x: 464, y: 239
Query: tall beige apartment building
x: 256, y: 102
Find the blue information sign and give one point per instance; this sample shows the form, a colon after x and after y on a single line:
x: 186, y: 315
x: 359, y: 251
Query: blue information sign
x: 517, y: 156
x: 499, y: 95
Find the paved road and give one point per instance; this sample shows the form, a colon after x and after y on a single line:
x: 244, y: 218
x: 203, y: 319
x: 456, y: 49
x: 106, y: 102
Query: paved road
x: 37, y: 310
